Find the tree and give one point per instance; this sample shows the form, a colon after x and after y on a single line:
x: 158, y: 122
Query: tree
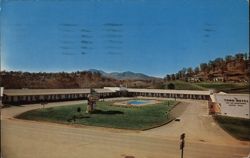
x: 239, y: 56
x: 211, y: 65
x: 196, y: 70
x: 183, y: 72
x: 172, y: 77
x: 229, y: 58
x: 177, y: 76
x: 168, y: 77
x: 218, y: 61
x: 189, y: 72
x: 203, y: 67
x: 171, y: 86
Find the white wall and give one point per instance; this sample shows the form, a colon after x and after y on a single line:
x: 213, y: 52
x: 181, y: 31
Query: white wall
x: 235, y: 105
x: 1, y: 95
x: 1, y: 91
x: 113, y: 89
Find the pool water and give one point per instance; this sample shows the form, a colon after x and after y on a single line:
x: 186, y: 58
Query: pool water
x: 137, y: 102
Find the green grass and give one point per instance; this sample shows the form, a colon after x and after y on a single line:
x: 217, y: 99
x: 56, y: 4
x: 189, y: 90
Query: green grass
x: 182, y: 85
x: 227, y: 87
x: 137, y: 118
x: 237, y: 127
x: 219, y: 86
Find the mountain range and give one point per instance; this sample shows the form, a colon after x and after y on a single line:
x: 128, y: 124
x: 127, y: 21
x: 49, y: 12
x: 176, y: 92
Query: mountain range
x: 127, y: 75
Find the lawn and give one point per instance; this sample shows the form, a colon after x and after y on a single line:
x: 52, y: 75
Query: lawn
x: 106, y: 115
x: 237, y: 127
x: 182, y: 85
x: 219, y: 86
x: 226, y: 87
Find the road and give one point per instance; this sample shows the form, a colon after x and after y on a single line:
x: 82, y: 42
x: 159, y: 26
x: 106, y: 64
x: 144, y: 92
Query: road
x: 204, y: 139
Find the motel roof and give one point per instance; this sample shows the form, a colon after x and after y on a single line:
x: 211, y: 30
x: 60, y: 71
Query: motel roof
x: 20, y: 92
x: 160, y: 91
x: 169, y: 91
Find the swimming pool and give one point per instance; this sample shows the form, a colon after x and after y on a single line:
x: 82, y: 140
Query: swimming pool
x: 138, y: 102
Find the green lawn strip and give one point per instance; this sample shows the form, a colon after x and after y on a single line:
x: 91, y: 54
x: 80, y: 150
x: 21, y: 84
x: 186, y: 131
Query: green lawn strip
x: 237, y: 127
x: 221, y: 86
x: 60, y: 114
x: 182, y: 85
x: 137, y: 118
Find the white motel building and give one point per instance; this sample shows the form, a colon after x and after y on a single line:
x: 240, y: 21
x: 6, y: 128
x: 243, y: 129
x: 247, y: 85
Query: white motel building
x: 235, y: 105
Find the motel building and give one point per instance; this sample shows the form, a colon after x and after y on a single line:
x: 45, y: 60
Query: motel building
x: 26, y: 96
x: 235, y: 105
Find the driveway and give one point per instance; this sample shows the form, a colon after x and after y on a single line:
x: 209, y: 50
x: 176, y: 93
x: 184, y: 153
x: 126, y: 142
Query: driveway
x: 31, y: 139
x: 196, y: 123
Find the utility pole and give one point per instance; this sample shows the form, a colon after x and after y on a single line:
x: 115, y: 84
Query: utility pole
x: 182, y: 143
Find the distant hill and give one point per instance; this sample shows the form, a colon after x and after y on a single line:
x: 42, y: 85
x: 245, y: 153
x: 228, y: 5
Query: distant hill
x: 79, y: 79
x: 127, y: 75
x: 229, y: 69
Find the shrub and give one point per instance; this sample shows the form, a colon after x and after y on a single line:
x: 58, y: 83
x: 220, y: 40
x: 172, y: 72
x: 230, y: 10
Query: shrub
x: 171, y: 86
x: 79, y: 109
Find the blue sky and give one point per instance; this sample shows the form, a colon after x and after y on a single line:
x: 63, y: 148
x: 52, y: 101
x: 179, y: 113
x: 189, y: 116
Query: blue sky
x: 154, y: 37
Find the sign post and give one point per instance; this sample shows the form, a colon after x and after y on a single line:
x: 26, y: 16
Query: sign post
x: 182, y: 143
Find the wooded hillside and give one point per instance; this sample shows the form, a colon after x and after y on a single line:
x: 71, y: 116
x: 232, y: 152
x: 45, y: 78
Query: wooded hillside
x: 77, y: 79
x: 231, y: 68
